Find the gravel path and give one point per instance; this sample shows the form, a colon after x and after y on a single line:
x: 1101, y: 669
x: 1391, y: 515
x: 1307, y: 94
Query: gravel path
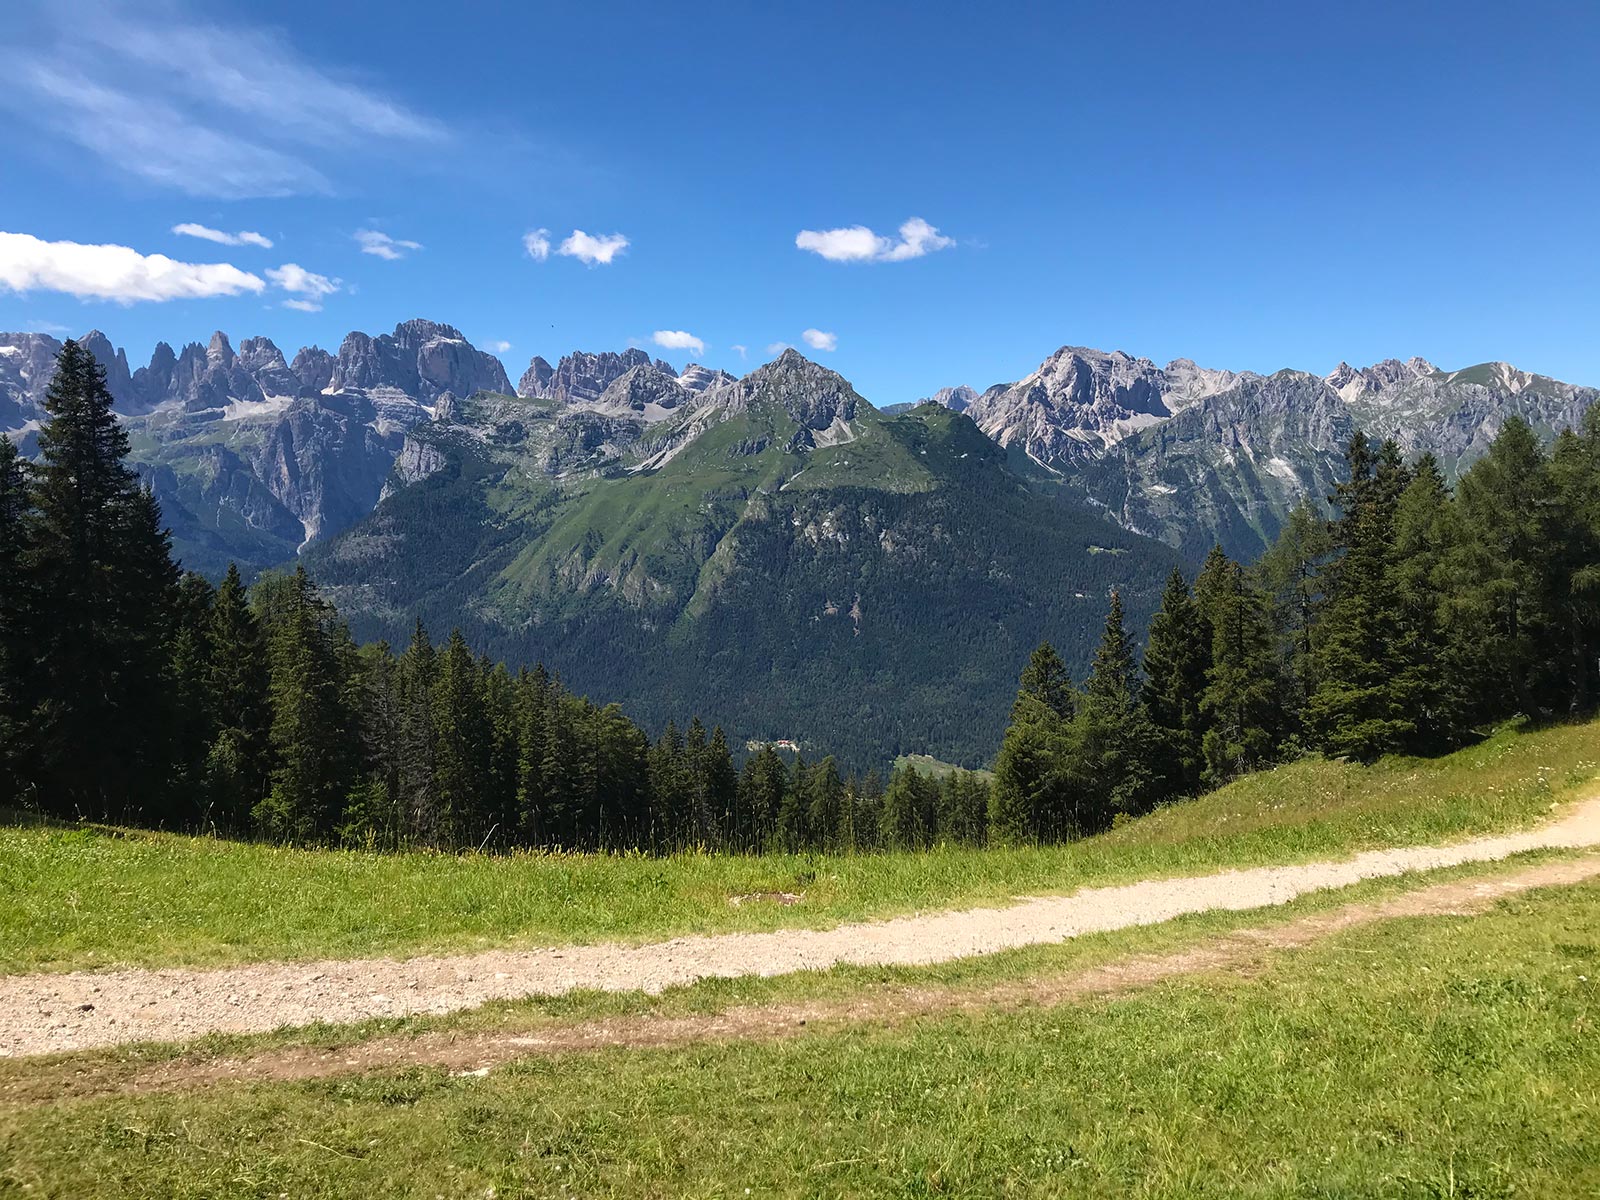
x: 45, y: 1013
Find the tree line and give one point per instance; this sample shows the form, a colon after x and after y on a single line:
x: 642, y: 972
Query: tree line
x: 132, y: 692
x: 1415, y: 617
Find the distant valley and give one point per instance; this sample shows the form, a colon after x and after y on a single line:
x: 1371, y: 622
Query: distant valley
x: 772, y: 550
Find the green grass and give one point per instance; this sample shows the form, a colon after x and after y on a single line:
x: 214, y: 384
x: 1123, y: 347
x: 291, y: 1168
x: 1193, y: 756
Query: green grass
x: 81, y: 898
x: 926, y: 764
x: 1432, y: 1057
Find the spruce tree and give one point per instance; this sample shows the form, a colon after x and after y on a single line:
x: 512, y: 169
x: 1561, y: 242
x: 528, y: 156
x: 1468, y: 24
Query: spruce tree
x: 1292, y: 574
x: 1241, y: 704
x: 237, y: 762
x: 461, y: 755
x: 825, y: 804
x: 532, y: 702
x: 1045, y: 679
x: 312, y: 774
x: 722, y: 787
x: 1117, y: 742
x: 1176, y: 658
x: 97, y: 550
x: 18, y: 611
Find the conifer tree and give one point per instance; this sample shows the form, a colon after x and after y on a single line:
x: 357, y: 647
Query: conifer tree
x: 963, y: 808
x: 1292, y: 573
x: 763, y: 789
x: 418, y: 789
x: 1045, y: 680
x: 1240, y: 703
x: 1116, y: 741
x: 824, y: 804
x: 308, y: 731
x: 17, y: 613
x: 1176, y: 658
x: 236, y: 763
x: 97, y: 550
x: 461, y: 755
x: 721, y: 787
x: 532, y: 704
x: 1506, y: 560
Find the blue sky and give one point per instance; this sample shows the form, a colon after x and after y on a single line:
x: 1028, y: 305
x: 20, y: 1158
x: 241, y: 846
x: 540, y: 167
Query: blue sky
x: 1249, y: 185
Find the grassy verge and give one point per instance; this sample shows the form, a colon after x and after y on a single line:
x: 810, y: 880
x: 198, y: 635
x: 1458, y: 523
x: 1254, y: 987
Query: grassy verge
x: 85, y: 899
x: 1429, y: 1058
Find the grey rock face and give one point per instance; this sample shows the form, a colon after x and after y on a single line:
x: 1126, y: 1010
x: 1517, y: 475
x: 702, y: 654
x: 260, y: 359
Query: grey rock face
x: 581, y: 377
x: 535, y: 381
x: 646, y: 391
x: 696, y: 378
x: 313, y: 367
x: 956, y: 399
x: 421, y: 359
x: 813, y: 395
x: 27, y: 363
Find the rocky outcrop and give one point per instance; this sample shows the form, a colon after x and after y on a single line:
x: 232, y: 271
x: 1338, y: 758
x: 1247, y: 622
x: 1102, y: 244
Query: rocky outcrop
x: 313, y: 367
x: 956, y: 399
x: 581, y: 377
x: 812, y: 395
x: 645, y: 391
x: 421, y: 359
x: 696, y: 378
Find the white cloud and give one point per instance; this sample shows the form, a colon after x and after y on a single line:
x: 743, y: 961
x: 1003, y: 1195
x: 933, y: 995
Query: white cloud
x: 857, y: 243
x: 537, y: 244
x: 819, y: 339
x: 678, y: 339
x: 593, y: 248
x: 382, y: 245
x: 309, y: 287
x: 743, y: 350
x: 110, y: 272
x: 500, y: 347
x: 244, y: 237
x: 779, y: 347
x: 242, y: 113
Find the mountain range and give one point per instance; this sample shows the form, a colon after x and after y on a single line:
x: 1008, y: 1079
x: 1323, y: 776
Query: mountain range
x: 773, y: 551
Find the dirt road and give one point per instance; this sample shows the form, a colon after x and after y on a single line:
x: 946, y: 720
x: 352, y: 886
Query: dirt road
x: 44, y: 1013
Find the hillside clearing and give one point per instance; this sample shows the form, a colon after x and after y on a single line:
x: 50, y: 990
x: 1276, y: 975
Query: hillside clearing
x: 85, y: 899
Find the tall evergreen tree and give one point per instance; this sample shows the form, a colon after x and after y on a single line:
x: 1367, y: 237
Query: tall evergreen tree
x: 236, y: 765
x: 1045, y: 680
x: 1240, y: 704
x: 97, y: 550
x: 17, y: 633
x: 1176, y: 658
x: 1117, y: 742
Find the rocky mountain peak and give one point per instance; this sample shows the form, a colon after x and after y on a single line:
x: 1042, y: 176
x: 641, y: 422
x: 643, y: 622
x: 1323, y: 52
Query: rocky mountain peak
x: 956, y: 399
x: 260, y: 354
x: 536, y: 379
x: 421, y: 359
x: 219, y: 351
x: 646, y: 391
x: 697, y: 378
x: 811, y: 394
x: 581, y: 377
x: 1381, y: 378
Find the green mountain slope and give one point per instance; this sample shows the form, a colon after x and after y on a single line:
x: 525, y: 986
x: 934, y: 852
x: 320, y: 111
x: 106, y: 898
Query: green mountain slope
x: 780, y: 556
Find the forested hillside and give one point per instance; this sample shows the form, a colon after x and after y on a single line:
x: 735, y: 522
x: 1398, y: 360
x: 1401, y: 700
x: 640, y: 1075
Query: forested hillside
x: 803, y: 566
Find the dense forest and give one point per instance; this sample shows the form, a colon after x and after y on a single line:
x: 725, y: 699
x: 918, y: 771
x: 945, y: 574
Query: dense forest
x: 133, y: 692
x: 1409, y: 623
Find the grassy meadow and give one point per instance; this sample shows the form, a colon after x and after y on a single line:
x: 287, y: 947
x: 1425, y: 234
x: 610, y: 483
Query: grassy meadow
x: 91, y: 898
x: 1419, y: 1057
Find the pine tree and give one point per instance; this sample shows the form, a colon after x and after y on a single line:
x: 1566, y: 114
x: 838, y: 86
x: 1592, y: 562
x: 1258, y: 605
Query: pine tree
x: 1045, y: 679
x: 1431, y: 668
x: 963, y: 808
x: 1292, y: 574
x: 722, y: 787
x: 1117, y: 742
x: 1240, y: 704
x: 1511, y: 578
x: 532, y: 703
x: 670, y: 789
x: 1354, y: 709
x: 824, y: 804
x: 1176, y: 658
x: 1575, y: 475
x: 236, y: 766
x: 309, y: 731
x: 97, y: 550
x: 18, y: 611
x: 461, y: 755
x: 910, y: 805
x: 419, y: 795
x: 790, y: 830
x: 763, y: 790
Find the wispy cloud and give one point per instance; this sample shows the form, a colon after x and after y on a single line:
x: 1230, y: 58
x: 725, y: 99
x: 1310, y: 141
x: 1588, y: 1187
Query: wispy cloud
x: 245, y: 237
x: 819, y: 339
x: 500, y: 347
x: 744, y: 351
x: 537, y: 244
x: 678, y: 339
x: 779, y: 347
x: 308, y: 287
x: 383, y: 246
x: 857, y: 243
x: 593, y: 248
x: 169, y: 96
x: 110, y: 272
